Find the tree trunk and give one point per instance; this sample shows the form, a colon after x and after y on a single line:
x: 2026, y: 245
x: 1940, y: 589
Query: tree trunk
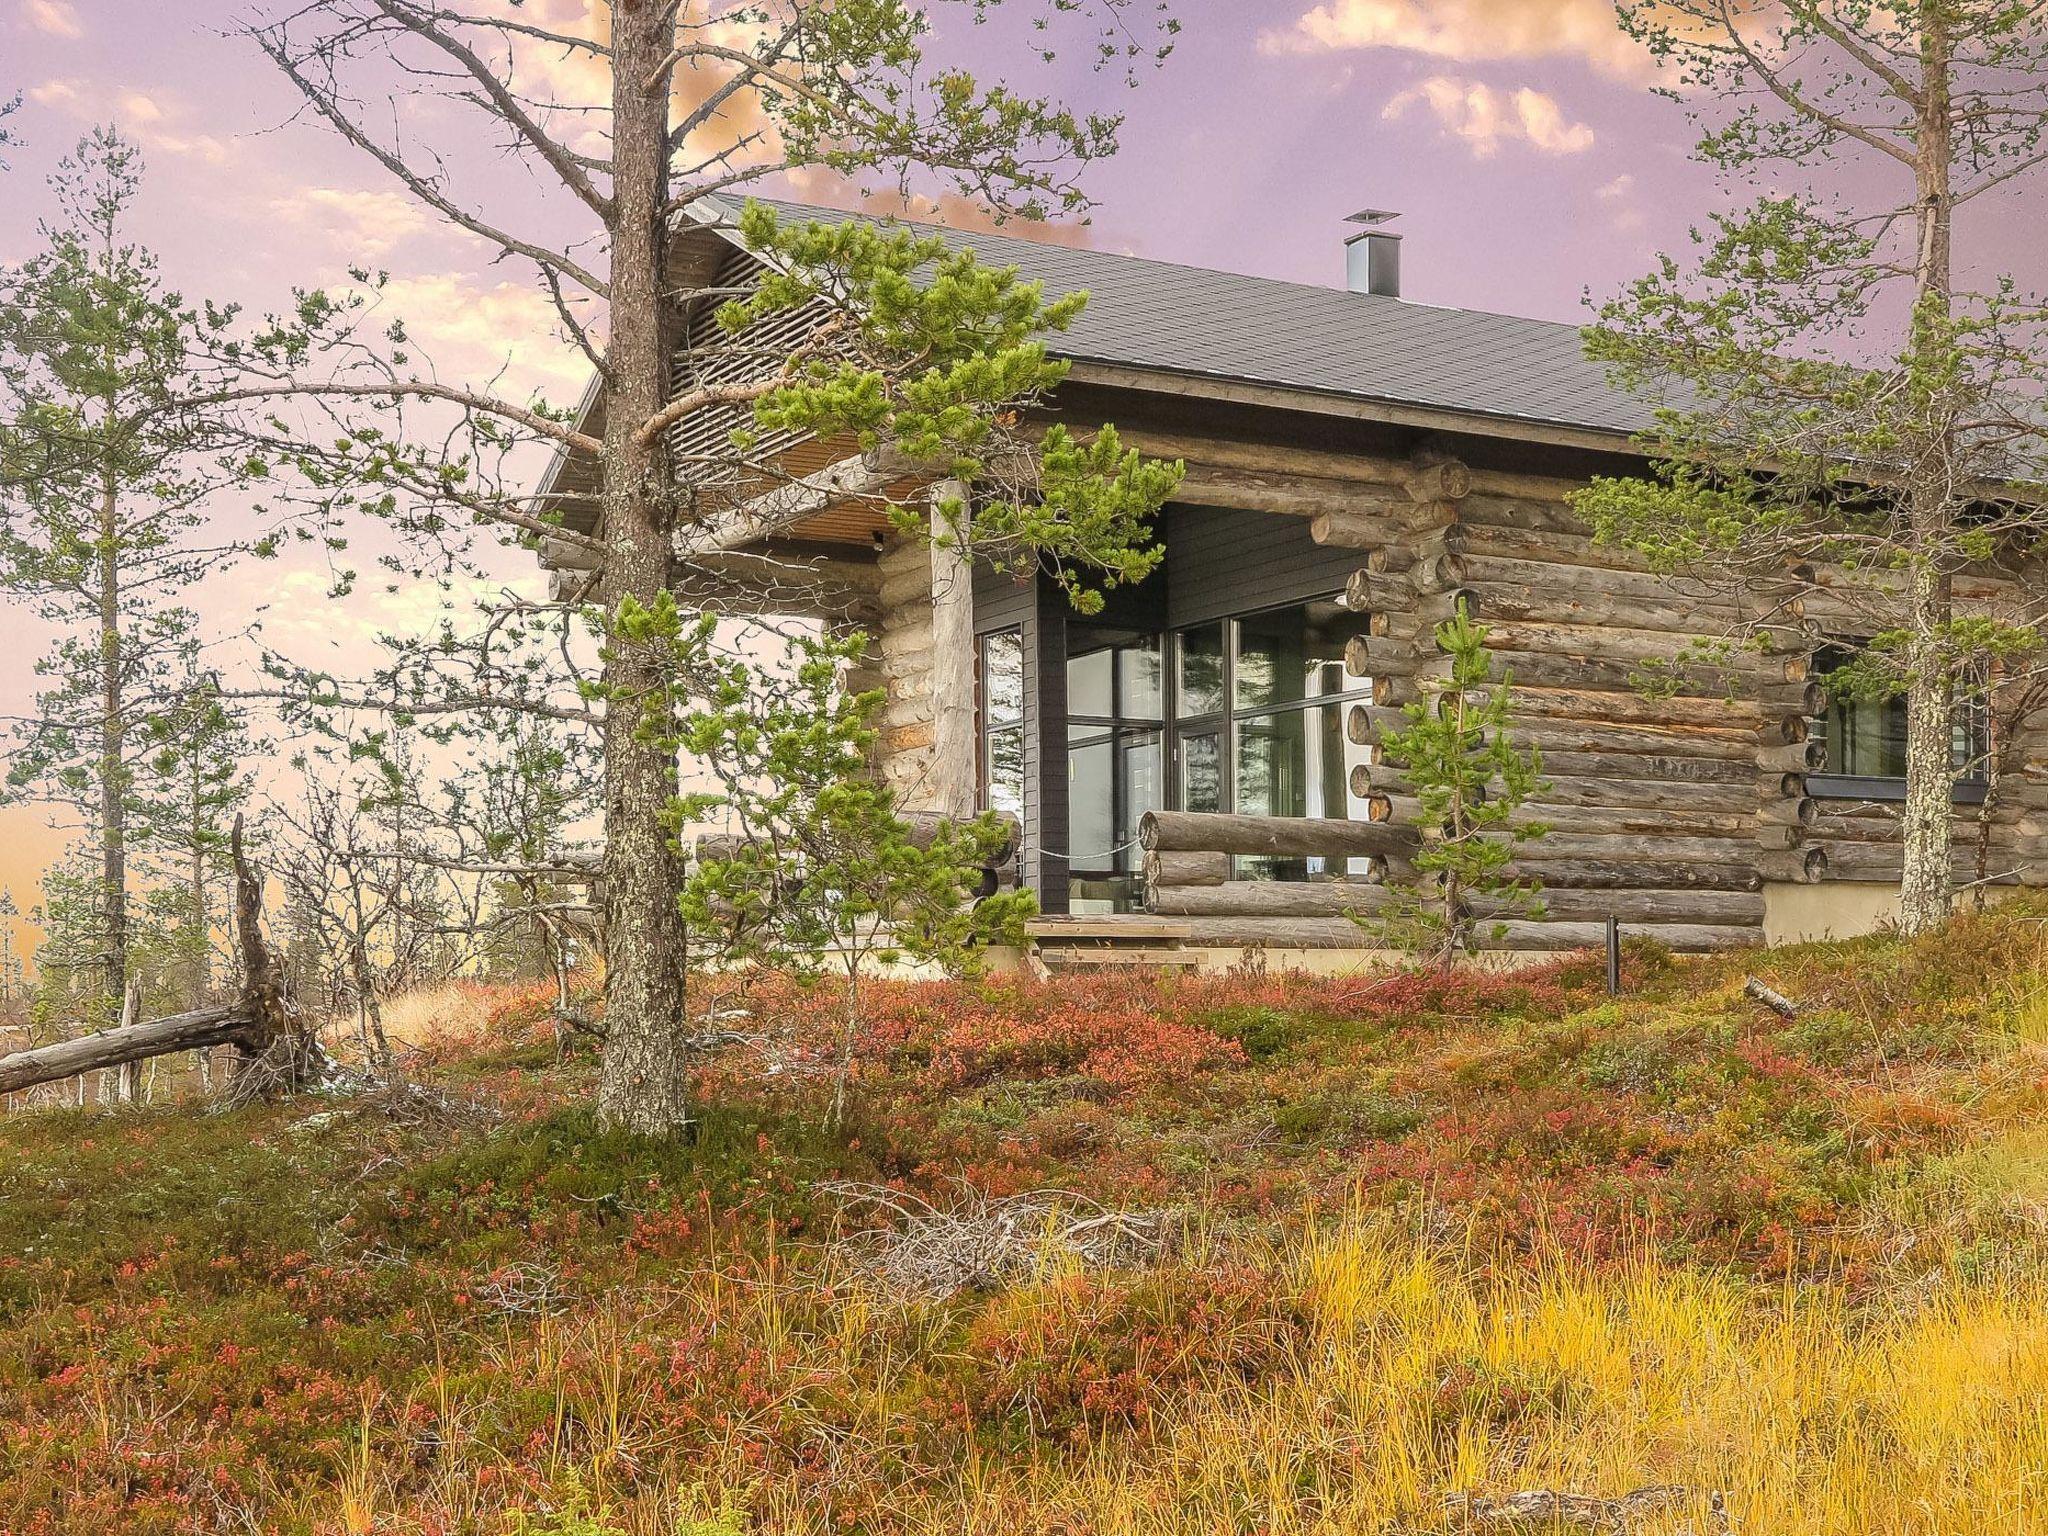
x: 1927, y: 882
x: 642, y: 1086
x: 113, y: 788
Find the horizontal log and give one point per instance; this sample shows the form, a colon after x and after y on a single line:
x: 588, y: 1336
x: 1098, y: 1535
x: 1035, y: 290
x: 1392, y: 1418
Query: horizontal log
x: 1551, y: 669
x: 1183, y: 869
x: 1598, y: 874
x: 1269, y: 898
x: 1884, y: 863
x: 1789, y: 812
x: 1279, y: 933
x: 1341, y: 898
x: 1793, y: 757
x: 1794, y: 866
x: 1368, y: 591
x: 1363, y: 528
x: 1367, y: 724
x: 1676, y: 767
x: 1637, y: 845
x: 201, y: 1029
x: 1373, y: 656
x: 1279, y: 836
x: 1686, y: 938
x: 1731, y: 717
x: 1290, y: 494
x: 1601, y: 642
x: 1237, y: 453
x: 1675, y: 815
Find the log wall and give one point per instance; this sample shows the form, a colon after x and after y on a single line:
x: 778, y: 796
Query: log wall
x: 1669, y: 808
x: 900, y: 660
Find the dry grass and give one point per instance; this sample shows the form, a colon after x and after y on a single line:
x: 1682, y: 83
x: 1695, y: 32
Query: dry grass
x: 452, y: 1013
x: 1414, y: 1378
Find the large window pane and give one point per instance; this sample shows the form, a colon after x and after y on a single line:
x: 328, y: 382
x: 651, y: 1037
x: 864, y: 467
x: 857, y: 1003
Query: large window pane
x: 1091, y: 683
x: 1866, y: 738
x: 1201, y: 672
x: 1091, y: 800
x: 1140, y: 759
x: 1002, y: 678
x: 1290, y: 654
x: 1139, y: 693
x: 1004, y: 787
x: 1201, y: 772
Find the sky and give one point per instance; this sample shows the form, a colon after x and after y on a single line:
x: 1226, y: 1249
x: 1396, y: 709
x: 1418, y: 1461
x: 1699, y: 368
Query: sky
x: 1519, y: 139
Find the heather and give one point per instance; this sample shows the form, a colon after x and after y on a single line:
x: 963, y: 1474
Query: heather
x: 1421, y: 1235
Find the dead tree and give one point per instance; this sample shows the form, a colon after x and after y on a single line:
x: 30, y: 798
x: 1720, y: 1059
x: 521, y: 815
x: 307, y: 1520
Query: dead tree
x: 275, y: 1054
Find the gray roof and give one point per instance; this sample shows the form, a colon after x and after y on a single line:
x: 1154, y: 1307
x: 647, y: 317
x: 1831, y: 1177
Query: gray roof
x: 1160, y: 316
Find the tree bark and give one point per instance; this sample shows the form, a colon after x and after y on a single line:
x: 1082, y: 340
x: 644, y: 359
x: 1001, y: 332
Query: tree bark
x: 112, y: 767
x: 1927, y: 882
x: 642, y: 1086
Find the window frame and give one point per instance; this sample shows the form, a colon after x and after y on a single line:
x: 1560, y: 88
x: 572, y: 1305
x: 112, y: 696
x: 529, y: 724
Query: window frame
x: 987, y: 728
x: 1224, y: 722
x: 1971, y: 787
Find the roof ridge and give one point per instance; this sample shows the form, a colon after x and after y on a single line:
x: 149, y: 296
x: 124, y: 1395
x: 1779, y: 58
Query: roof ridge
x: 1156, y: 261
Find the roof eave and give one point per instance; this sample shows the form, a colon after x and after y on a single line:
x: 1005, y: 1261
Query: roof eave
x: 1356, y: 407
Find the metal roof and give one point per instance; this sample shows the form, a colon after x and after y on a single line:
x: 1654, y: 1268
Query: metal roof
x: 1160, y: 316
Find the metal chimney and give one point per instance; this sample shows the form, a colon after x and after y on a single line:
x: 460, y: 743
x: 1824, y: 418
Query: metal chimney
x: 1372, y: 257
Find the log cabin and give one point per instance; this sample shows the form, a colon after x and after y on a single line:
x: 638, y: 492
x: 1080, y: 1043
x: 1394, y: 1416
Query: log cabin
x: 1194, y: 768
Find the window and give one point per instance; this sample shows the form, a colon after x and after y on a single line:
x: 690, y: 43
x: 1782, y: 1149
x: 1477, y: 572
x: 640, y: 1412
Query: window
x: 1115, y: 761
x: 1259, y: 719
x: 1002, y: 722
x: 1865, y: 741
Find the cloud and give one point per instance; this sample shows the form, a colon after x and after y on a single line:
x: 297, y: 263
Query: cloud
x: 1486, y: 119
x: 55, y: 17
x: 367, y: 223
x: 1468, y: 30
x: 151, y: 121
x: 1620, y: 187
x: 476, y: 332
x: 63, y: 92
x: 954, y: 210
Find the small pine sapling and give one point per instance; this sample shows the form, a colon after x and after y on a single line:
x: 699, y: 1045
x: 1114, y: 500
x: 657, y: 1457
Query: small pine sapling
x: 1469, y: 779
x: 821, y: 873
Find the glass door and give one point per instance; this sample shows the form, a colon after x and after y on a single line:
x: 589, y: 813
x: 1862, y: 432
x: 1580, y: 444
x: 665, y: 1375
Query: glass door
x: 1115, y: 763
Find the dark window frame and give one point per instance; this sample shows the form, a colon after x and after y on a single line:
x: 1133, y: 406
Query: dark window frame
x: 1224, y: 722
x: 1971, y: 786
x: 987, y: 727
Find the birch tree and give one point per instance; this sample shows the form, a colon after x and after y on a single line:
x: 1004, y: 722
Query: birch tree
x: 628, y: 122
x: 1849, y: 399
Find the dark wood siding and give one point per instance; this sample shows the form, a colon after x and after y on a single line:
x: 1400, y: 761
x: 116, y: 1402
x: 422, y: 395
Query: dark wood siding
x: 1220, y: 562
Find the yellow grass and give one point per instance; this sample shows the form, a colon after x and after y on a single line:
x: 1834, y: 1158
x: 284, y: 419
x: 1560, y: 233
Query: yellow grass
x: 1415, y: 1377
x: 449, y: 1013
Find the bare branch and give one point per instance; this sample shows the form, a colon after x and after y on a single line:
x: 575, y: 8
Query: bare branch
x: 421, y: 187
x: 565, y: 165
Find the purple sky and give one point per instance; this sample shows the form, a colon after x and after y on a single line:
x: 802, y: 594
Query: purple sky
x: 1519, y: 139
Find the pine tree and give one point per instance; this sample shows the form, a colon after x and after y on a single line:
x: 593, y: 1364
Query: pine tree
x: 104, y: 473
x: 1470, y: 781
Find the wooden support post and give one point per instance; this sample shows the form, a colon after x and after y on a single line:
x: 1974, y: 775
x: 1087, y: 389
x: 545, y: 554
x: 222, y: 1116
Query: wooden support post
x: 953, y: 790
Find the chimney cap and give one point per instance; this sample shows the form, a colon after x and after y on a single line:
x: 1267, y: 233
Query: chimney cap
x: 1373, y: 216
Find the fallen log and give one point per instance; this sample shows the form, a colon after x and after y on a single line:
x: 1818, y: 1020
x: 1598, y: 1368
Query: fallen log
x: 257, y: 1023
x: 201, y: 1029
